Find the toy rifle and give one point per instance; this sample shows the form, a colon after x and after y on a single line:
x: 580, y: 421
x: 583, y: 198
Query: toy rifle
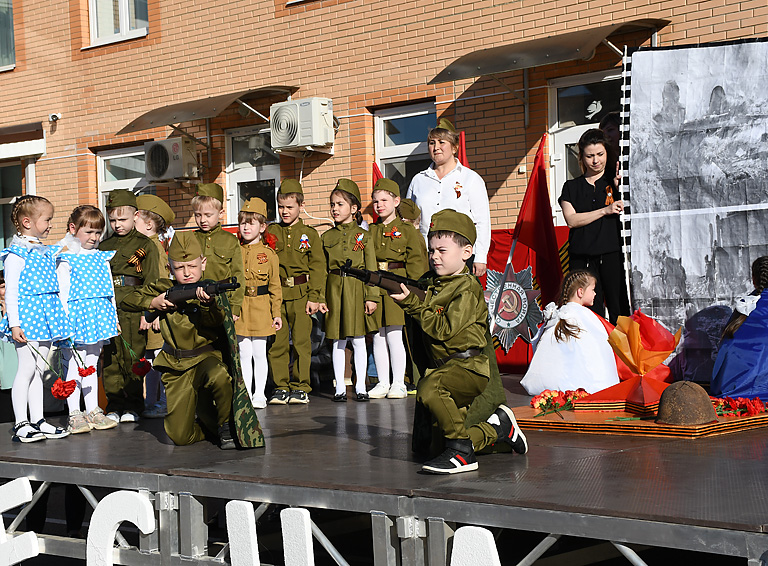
x: 384, y: 279
x: 181, y: 293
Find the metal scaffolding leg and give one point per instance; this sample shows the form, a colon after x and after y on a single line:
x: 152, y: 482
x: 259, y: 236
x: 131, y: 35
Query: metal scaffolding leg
x: 538, y: 550
x: 411, y: 531
x: 28, y: 507
x: 629, y: 554
x: 193, y: 532
x: 328, y: 546
x: 383, y: 532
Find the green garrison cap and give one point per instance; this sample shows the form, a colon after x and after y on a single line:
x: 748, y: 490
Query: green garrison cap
x: 153, y: 203
x: 446, y: 124
x: 210, y: 190
x: 289, y: 186
x: 349, y: 186
x: 449, y: 220
x: 255, y: 205
x: 387, y: 185
x: 409, y: 209
x: 184, y: 247
x: 121, y: 197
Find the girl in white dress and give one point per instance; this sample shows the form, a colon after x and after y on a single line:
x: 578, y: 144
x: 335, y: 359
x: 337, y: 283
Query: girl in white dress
x: 571, y: 349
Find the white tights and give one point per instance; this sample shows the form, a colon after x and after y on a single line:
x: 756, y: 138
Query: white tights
x: 388, y: 346
x: 253, y: 360
x: 88, y: 386
x: 339, y: 363
x: 27, y: 391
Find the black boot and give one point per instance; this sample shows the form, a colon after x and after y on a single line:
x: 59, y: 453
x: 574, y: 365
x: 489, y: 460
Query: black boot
x: 459, y: 456
x: 226, y: 442
x: 504, y: 423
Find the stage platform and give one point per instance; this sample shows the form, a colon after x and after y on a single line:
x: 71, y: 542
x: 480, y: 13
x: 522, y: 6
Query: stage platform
x: 706, y: 494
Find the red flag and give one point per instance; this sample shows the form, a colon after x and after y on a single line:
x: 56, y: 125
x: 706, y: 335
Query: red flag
x: 376, y: 176
x: 536, y: 230
x: 462, y: 153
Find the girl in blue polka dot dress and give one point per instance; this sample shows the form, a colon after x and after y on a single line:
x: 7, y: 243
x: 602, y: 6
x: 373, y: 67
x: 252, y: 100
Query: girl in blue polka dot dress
x: 35, y: 317
x: 88, y: 295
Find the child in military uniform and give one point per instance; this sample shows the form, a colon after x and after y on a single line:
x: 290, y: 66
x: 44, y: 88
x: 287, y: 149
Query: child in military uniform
x: 349, y: 301
x: 400, y: 249
x: 136, y: 260
x: 153, y: 218
x: 260, y: 315
x: 302, y: 274
x: 195, y: 377
x: 410, y: 212
x: 454, y: 320
x: 220, y: 248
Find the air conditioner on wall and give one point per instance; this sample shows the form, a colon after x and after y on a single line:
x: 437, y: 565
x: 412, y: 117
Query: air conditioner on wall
x: 302, y: 124
x: 174, y: 158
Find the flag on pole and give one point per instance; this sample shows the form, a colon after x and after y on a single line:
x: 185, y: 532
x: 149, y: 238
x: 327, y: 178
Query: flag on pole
x: 462, y: 153
x: 535, y: 229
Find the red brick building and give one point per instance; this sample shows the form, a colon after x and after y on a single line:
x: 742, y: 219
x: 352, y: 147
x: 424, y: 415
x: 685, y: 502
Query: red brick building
x: 73, y: 73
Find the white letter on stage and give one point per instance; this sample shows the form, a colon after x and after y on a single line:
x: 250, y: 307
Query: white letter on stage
x: 22, y: 547
x: 110, y: 512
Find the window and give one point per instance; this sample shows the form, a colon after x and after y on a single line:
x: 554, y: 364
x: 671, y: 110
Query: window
x: 117, y: 20
x: 121, y: 169
x: 11, y: 175
x: 7, y: 49
x: 401, y: 141
x: 253, y: 170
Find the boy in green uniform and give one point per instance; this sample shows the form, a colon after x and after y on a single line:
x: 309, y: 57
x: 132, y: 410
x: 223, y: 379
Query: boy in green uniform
x: 220, y: 248
x: 195, y: 377
x: 136, y: 260
x: 454, y: 320
x: 302, y: 274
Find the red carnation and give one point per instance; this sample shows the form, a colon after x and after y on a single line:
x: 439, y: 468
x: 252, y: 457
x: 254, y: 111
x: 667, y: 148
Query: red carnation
x: 271, y: 240
x: 142, y: 367
x: 85, y: 372
x: 63, y: 389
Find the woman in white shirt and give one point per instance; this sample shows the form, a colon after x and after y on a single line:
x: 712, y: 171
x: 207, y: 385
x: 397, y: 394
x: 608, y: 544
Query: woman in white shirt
x: 449, y: 184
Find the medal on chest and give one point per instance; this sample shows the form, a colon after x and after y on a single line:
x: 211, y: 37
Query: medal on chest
x: 359, y: 245
x: 135, y: 259
x: 394, y: 233
x: 457, y: 188
x: 262, y: 258
x: 304, y: 242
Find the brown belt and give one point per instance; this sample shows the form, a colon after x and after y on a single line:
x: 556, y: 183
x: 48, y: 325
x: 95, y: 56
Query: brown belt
x: 293, y: 281
x: 384, y: 266
x: 178, y: 354
x: 126, y: 281
x: 337, y: 272
x: 457, y: 356
x: 256, y: 291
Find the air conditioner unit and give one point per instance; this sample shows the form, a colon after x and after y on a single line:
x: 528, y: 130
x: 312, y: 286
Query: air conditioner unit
x: 174, y: 158
x: 303, y: 124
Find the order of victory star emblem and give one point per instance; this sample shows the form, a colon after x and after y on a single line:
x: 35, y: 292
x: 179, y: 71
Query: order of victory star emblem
x: 512, y: 309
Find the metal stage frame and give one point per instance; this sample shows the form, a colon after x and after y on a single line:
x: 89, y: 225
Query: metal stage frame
x: 706, y: 495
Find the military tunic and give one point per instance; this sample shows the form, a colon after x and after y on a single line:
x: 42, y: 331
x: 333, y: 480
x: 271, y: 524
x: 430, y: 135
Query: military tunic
x: 222, y: 251
x: 155, y: 339
x: 123, y: 388
x: 454, y: 318
x: 397, y: 241
x: 300, y: 251
x: 198, y: 384
x: 261, y: 270
x: 346, y: 296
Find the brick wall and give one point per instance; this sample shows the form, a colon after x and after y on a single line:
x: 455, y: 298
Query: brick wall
x: 363, y: 55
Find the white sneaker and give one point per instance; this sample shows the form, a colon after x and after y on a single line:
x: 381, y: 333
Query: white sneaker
x: 114, y: 416
x: 379, y: 391
x: 259, y: 403
x: 397, y: 391
x: 129, y: 417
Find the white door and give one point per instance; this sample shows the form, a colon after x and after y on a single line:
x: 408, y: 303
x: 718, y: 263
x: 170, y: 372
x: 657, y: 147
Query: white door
x: 253, y: 170
x: 576, y: 104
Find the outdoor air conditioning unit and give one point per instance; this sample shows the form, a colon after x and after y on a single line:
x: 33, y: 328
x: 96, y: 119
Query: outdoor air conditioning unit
x: 303, y: 124
x: 174, y: 158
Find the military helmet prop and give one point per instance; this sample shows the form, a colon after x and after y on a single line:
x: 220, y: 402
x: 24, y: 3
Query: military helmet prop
x: 685, y: 403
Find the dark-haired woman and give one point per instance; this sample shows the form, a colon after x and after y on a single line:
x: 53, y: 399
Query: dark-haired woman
x: 591, y: 208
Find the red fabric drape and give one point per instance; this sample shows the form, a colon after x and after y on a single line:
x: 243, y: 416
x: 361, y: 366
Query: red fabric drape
x: 462, y: 153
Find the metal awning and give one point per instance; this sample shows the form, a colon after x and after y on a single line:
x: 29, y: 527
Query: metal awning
x: 545, y: 51
x: 21, y: 133
x: 201, y: 108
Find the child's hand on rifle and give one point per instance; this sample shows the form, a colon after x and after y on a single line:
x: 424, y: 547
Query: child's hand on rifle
x: 160, y: 303
x: 277, y: 323
x: 202, y: 296
x: 400, y: 296
x: 370, y: 307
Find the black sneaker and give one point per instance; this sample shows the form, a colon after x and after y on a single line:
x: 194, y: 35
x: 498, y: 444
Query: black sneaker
x: 340, y: 398
x: 298, y: 398
x: 363, y: 397
x: 504, y: 423
x: 459, y: 456
x: 280, y: 397
x: 226, y: 442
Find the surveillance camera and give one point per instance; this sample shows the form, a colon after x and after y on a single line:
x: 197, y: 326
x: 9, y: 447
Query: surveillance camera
x: 54, y: 117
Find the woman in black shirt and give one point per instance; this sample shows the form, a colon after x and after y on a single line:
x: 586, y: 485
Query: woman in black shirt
x: 591, y: 209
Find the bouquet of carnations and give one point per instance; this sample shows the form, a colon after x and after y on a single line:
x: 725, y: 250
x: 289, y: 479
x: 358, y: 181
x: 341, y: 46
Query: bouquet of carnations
x: 549, y: 401
x: 739, y: 407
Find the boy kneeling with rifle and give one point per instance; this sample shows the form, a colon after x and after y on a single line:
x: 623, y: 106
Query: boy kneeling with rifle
x: 196, y: 379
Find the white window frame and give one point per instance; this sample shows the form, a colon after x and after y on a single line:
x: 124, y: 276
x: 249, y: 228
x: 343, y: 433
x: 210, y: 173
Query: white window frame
x: 384, y: 153
x: 134, y: 184
x: 559, y: 136
x: 125, y: 33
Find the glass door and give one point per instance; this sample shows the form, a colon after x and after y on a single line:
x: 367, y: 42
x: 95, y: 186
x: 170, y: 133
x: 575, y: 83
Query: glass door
x: 11, y: 176
x: 253, y: 170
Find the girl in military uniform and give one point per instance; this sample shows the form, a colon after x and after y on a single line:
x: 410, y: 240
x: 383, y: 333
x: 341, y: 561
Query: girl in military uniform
x: 260, y: 315
x: 348, y: 300
x: 400, y: 249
